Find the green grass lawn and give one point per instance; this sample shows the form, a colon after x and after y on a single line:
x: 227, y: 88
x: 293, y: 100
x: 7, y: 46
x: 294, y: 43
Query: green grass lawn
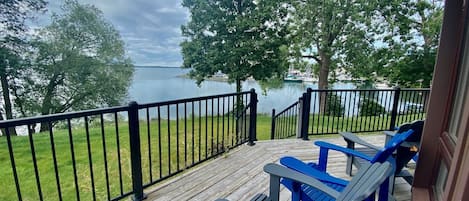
x: 171, y: 147
x: 163, y: 147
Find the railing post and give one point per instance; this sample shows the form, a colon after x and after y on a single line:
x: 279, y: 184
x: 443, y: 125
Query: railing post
x: 305, y: 113
x: 252, y: 117
x: 395, y: 103
x: 300, y: 117
x: 272, y: 128
x: 135, y: 157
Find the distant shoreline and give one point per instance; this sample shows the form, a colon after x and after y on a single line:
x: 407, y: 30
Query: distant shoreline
x: 155, y: 67
x: 216, y: 79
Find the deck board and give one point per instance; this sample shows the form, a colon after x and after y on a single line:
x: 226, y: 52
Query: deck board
x: 238, y: 175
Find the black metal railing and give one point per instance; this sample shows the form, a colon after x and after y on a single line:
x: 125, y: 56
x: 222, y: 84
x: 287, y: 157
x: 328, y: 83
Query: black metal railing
x: 109, y: 154
x: 332, y: 111
x: 285, y: 123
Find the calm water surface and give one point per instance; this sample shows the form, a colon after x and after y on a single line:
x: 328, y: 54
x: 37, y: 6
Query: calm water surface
x: 162, y: 84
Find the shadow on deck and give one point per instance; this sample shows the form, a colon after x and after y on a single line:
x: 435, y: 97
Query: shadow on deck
x: 238, y: 175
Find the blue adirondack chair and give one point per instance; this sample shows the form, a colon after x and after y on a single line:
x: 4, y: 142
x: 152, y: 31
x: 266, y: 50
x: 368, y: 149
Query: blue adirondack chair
x: 363, y: 184
x: 404, y: 153
x: 318, y: 170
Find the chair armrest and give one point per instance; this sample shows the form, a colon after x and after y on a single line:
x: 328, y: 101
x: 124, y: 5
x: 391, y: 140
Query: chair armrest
x: 326, y: 145
x: 410, y: 144
x: 389, y: 133
x: 304, y: 168
x: 354, y: 138
x: 277, y: 171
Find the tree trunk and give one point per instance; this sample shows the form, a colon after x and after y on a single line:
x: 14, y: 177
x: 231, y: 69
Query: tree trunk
x: 45, y: 111
x: 239, y: 98
x: 47, y: 102
x: 6, y: 97
x: 323, y: 79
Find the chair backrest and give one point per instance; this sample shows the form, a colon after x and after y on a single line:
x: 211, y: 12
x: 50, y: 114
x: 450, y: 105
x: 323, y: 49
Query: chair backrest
x: 405, y: 154
x: 367, y: 180
x: 391, y: 146
x: 416, y: 126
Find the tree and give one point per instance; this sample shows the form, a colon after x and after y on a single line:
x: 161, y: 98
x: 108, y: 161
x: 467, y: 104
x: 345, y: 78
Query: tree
x: 13, y: 14
x: 80, y: 63
x: 241, y: 38
x: 409, y: 33
x: 326, y: 31
x: 419, y: 33
x: 13, y: 32
x: 329, y: 32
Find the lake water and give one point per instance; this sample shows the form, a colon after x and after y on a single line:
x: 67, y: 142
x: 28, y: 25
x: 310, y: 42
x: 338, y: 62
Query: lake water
x: 162, y: 84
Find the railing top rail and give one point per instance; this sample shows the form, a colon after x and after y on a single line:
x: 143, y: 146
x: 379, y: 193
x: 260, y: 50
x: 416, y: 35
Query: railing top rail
x: 406, y: 89
x: 70, y: 115
x: 416, y: 89
x: 286, y: 109
x: 171, y: 102
x: 60, y: 116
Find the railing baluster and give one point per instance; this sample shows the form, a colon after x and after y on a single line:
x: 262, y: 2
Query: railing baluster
x: 206, y: 129
x: 90, y: 159
x: 313, y: 114
x: 223, y: 125
x: 185, y: 135
x: 320, y: 115
x: 343, y: 112
x: 290, y: 122
x: 377, y: 117
x: 116, y: 122
x: 218, y: 123
x: 416, y: 109
x: 177, y: 137
x: 422, y: 102
x: 54, y: 157
x: 13, y: 164
x: 200, y: 130
x: 108, y: 191
x: 36, y: 172
x: 160, y: 161
x: 354, y: 105
x: 193, y: 130
x: 212, y: 130
x: 231, y: 130
x: 149, y: 144
x: 340, y: 110
x: 169, y: 137
x: 245, y: 116
x: 389, y: 107
x: 369, y: 117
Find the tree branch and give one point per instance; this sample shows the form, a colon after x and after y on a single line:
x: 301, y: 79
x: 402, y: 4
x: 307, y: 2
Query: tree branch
x: 316, y: 58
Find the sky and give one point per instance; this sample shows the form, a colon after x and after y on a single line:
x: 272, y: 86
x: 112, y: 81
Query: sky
x: 151, y: 29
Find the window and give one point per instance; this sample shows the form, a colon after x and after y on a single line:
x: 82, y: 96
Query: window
x: 460, y: 95
x: 440, y: 183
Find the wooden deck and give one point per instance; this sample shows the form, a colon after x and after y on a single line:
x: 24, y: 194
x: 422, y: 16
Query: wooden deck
x: 238, y: 175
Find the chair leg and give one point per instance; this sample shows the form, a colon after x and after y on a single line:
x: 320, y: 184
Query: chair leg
x: 348, y: 167
x: 274, y: 188
x: 384, y: 195
x: 350, y: 158
x: 392, y: 178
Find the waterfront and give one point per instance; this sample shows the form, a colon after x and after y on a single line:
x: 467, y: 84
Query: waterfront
x: 162, y: 84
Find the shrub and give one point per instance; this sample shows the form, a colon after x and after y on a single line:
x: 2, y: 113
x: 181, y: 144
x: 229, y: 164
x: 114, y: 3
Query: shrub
x: 334, y: 106
x: 369, y: 107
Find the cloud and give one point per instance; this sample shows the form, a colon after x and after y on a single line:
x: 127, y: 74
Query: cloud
x: 150, y: 29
